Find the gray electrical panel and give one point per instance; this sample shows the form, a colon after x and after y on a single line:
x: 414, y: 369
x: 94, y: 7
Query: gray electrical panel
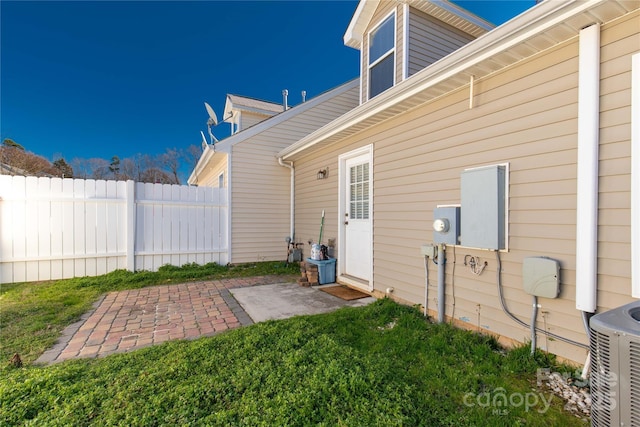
x: 541, y: 276
x: 482, y: 216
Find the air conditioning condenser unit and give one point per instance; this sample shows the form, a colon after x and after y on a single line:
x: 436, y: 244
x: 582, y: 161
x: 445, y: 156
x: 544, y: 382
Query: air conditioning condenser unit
x: 615, y: 367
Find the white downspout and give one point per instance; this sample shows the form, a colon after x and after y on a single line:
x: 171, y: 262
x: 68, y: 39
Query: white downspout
x: 293, y: 195
x: 230, y: 206
x: 635, y: 175
x: 587, y: 191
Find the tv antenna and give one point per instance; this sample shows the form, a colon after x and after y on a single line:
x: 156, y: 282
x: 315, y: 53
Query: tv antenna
x: 213, y: 121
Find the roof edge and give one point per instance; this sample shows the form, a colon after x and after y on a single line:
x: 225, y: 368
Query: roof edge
x: 354, y: 34
x: 529, y: 23
x: 285, y: 115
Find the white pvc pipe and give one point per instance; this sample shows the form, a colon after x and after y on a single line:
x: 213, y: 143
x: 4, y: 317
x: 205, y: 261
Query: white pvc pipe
x: 635, y: 175
x: 587, y: 191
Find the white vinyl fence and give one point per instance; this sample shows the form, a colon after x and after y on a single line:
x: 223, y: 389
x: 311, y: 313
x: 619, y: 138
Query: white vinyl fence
x: 53, y: 228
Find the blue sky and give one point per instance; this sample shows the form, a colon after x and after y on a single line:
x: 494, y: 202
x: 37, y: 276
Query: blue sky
x: 98, y: 79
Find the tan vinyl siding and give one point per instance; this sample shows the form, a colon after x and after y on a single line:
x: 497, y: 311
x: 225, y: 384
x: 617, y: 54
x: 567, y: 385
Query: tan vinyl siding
x: 260, y: 217
x: 217, y: 165
x: 248, y: 119
x: 431, y: 39
x: 525, y: 115
x: 619, y: 41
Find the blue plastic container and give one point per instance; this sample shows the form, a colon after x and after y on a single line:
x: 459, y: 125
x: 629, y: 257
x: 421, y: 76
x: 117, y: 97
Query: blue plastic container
x: 326, y: 270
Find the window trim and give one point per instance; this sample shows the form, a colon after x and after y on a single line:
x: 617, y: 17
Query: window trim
x: 384, y: 56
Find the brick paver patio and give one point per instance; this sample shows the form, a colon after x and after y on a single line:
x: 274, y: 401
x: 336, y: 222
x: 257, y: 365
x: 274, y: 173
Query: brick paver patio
x: 128, y: 320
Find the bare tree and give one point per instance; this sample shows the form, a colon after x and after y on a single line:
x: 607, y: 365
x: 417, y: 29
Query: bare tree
x: 162, y: 168
x: 191, y: 155
x: 95, y: 168
x: 157, y: 176
x: 170, y: 160
x: 22, y: 162
x: 129, y: 170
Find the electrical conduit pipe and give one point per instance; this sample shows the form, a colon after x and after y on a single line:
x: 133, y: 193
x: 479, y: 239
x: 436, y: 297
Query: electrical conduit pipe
x: 441, y: 284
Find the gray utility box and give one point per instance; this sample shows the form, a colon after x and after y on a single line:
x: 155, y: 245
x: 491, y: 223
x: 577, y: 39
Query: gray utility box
x: 482, y: 196
x: 450, y: 217
x: 541, y: 276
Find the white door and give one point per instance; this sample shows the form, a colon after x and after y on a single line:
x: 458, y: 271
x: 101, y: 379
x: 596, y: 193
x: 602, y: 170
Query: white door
x: 356, y: 216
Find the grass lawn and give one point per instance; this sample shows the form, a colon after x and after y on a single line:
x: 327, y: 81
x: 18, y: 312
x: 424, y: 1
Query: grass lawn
x: 380, y: 365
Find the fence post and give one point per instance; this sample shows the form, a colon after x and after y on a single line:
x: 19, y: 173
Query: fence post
x: 131, y: 226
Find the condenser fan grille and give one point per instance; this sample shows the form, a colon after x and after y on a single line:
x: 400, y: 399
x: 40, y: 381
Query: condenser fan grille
x: 634, y: 360
x: 600, y: 384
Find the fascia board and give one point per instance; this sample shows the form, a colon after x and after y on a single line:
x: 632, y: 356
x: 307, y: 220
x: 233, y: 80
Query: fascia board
x: 226, y: 114
x: 364, y: 12
x: 532, y: 22
x: 206, y: 155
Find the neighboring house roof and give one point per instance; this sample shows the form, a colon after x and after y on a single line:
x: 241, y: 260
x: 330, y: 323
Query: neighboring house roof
x: 243, y: 103
x: 6, y: 169
x: 441, y: 9
x: 226, y: 144
x: 541, y: 27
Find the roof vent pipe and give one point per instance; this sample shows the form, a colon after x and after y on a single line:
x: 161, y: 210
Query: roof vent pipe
x: 285, y: 95
x: 304, y: 96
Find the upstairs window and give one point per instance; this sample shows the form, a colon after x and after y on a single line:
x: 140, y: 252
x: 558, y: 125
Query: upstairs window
x: 382, y: 56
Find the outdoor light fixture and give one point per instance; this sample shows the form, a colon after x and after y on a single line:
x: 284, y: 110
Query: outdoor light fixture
x: 322, y: 173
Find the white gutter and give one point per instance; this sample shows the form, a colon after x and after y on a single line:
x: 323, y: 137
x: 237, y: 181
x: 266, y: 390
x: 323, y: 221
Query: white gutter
x: 292, y: 196
x: 587, y: 191
x: 635, y: 175
x: 536, y: 21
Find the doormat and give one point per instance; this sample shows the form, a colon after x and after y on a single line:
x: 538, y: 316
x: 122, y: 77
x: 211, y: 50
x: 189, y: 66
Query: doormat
x: 344, y: 292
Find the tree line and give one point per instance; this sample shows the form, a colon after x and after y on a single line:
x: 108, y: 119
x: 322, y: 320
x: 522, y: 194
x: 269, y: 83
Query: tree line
x: 162, y: 168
